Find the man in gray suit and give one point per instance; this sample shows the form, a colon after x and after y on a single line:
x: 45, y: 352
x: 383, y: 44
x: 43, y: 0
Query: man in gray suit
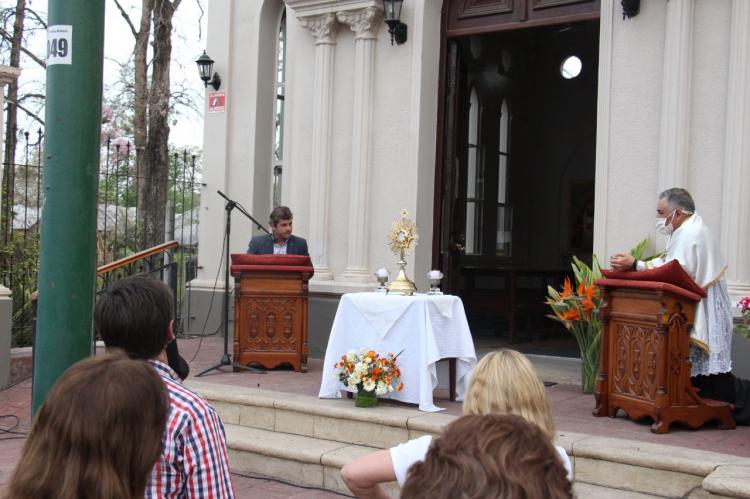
x: 280, y: 241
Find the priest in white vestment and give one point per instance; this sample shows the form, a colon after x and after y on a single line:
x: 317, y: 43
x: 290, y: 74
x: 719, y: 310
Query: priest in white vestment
x: 691, y: 243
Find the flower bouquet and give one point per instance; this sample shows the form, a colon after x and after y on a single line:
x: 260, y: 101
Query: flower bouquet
x: 744, y: 326
x: 372, y: 375
x: 578, y: 310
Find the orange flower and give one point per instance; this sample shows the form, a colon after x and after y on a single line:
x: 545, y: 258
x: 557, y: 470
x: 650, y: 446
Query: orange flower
x: 591, y: 292
x: 567, y: 289
x: 400, y: 387
x: 372, y: 354
x: 571, y: 315
x: 588, y: 305
x: 581, y: 288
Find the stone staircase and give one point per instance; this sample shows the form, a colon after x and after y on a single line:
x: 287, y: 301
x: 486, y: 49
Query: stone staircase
x: 305, y: 441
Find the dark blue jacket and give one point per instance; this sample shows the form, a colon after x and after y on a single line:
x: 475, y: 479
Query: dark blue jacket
x: 263, y: 245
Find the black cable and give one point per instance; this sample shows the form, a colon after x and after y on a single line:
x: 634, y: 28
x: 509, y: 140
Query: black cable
x: 211, y: 304
x: 277, y: 480
x: 11, y: 430
x: 16, y: 383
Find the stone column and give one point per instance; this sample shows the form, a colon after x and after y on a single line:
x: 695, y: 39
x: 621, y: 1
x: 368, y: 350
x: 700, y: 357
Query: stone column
x: 365, y: 24
x: 323, y: 28
x: 675, y: 101
x: 735, y: 207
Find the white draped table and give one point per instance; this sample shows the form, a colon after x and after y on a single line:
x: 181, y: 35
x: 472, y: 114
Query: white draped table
x: 426, y: 327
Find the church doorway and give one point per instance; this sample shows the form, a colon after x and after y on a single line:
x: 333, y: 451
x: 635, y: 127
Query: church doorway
x: 516, y: 161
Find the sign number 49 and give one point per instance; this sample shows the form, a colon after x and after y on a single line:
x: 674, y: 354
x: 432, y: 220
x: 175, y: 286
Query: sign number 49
x: 59, y: 44
x: 57, y: 48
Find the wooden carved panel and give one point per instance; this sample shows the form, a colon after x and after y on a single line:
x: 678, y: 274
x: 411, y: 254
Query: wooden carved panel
x: 548, y: 4
x: 476, y: 8
x: 636, y: 367
x: 270, y: 324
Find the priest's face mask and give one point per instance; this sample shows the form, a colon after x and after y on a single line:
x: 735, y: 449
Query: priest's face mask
x: 667, y: 220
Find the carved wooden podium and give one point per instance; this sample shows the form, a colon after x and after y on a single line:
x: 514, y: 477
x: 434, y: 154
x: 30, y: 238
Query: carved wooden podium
x: 270, y: 309
x: 644, y: 366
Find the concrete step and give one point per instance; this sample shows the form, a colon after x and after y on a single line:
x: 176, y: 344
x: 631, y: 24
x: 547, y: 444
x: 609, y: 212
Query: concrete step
x: 295, y: 459
x: 306, y: 440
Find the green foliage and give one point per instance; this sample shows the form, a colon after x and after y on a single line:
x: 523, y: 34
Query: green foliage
x: 640, y: 248
x: 20, y: 269
x: 578, y: 310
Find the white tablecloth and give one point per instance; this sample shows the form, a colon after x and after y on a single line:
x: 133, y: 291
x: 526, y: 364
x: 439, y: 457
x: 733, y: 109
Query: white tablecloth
x: 426, y: 327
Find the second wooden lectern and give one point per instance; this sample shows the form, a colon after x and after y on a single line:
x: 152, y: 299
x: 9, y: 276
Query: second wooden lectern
x: 644, y: 364
x: 270, y: 309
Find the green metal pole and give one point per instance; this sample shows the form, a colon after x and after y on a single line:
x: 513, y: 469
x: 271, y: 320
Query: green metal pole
x: 75, y: 50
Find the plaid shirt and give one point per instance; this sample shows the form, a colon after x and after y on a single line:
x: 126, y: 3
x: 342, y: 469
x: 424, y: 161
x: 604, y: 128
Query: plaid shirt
x: 194, y: 461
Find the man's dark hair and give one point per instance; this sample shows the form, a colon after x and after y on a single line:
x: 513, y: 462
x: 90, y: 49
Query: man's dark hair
x: 678, y: 198
x: 134, y: 314
x: 497, y: 456
x: 280, y: 213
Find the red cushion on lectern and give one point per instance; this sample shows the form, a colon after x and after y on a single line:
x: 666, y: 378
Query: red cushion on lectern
x: 653, y: 285
x: 276, y: 263
x: 671, y: 273
x: 293, y: 260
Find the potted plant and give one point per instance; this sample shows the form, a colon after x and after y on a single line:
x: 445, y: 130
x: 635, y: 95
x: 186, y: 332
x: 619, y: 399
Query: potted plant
x: 372, y: 375
x: 578, y: 310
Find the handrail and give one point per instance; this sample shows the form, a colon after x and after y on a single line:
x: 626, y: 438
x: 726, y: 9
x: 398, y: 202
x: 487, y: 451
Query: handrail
x: 122, y: 262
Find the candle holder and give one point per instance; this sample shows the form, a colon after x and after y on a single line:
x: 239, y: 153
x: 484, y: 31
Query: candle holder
x: 382, y: 276
x: 434, y: 276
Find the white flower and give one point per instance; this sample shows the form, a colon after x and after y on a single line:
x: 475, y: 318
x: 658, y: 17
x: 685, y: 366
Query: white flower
x: 381, y: 390
x: 351, y: 356
x: 354, y: 379
x: 369, y: 385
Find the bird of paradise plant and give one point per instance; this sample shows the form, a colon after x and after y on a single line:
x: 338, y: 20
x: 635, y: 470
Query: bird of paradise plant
x: 578, y: 310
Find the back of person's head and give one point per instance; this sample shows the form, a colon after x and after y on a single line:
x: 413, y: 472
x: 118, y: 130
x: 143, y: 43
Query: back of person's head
x: 98, y: 434
x: 489, y: 457
x: 134, y: 314
x: 280, y: 213
x: 678, y: 198
x: 505, y: 382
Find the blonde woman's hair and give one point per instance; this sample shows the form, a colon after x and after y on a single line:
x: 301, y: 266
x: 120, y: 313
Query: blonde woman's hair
x: 505, y: 382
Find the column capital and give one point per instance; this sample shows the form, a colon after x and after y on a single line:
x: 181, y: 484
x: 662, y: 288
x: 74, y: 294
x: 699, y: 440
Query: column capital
x: 322, y: 27
x: 365, y: 23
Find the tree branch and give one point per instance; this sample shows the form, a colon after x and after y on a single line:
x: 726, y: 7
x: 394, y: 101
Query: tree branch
x: 30, y: 113
x: 126, y: 17
x: 7, y: 36
x: 36, y: 16
x: 31, y: 96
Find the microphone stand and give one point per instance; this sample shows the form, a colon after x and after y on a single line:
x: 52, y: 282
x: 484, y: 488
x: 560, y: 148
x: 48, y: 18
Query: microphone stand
x: 226, y: 359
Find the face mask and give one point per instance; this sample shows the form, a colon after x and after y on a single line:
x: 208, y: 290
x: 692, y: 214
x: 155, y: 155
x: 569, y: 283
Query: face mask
x: 662, y: 227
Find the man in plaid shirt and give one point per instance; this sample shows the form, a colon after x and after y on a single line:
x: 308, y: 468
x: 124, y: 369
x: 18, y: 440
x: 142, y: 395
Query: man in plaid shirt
x: 135, y: 314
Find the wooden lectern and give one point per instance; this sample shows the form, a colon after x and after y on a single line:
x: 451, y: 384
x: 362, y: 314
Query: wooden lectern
x: 270, y: 309
x: 644, y: 365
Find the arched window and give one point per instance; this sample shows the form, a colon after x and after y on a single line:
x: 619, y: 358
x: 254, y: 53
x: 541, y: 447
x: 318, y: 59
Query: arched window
x: 278, y: 132
x: 504, y: 209
x: 474, y: 179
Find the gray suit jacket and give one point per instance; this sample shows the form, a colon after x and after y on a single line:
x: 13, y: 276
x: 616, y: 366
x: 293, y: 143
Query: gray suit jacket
x: 263, y: 245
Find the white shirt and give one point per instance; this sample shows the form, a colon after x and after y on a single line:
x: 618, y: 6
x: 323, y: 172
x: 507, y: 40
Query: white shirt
x: 406, y: 454
x: 279, y: 249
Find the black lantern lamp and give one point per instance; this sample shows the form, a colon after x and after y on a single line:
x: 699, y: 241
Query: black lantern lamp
x: 630, y: 8
x: 396, y: 28
x: 206, y: 67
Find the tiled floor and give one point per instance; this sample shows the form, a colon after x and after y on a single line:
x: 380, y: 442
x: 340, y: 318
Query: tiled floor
x: 571, y: 408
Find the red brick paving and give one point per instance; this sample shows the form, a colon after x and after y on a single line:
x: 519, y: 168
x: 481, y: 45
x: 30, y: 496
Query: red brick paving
x: 571, y: 408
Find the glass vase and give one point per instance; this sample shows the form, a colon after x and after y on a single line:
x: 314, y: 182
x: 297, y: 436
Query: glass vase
x: 365, y: 398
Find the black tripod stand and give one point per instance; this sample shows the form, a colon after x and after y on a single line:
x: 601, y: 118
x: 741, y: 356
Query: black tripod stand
x: 226, y: 359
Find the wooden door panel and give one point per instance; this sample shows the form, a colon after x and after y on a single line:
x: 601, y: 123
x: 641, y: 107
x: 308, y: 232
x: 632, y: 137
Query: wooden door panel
x: 477, y: 8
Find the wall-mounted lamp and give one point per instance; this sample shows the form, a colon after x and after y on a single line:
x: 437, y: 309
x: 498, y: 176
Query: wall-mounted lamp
x: 396, y: 28
x: 630, y: 8
x: 205, y: 68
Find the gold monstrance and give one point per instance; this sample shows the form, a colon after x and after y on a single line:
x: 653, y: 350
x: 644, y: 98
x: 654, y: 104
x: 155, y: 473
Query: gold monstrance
x: 402, y: 238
